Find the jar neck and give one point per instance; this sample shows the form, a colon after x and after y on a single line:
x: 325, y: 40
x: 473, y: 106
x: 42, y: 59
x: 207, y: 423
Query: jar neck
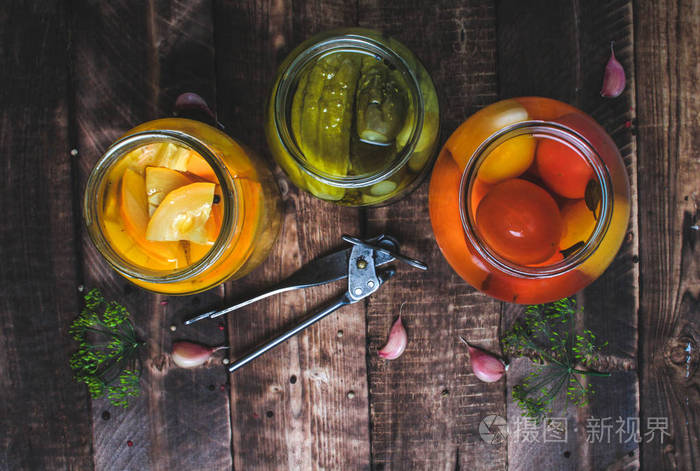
x: 542, y: 130
x: 95, y: 191
x: 350, y: 41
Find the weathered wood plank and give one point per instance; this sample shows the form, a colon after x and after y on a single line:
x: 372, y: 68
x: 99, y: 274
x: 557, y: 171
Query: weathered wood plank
x: 303, y: 405
x: 611, y: 303
x: 667, y: 50
x: 44, y: 414
x: 102, y: 113
x: 125, y: 75
x: 559, y: 50
x: 425, y: 407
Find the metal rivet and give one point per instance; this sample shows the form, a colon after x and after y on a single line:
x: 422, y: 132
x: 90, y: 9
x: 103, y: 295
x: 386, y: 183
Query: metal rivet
x: 358, y: 291
x: 361, y: 263
x: 370, y: 283
x: 351, y: 394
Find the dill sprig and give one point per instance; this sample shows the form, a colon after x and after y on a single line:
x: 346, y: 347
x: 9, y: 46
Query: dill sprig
x: 107, y: 359
x: 546, y: 335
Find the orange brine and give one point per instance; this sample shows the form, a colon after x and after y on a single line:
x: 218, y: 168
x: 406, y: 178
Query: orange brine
x: 529, y: 200
x: 177, y: 207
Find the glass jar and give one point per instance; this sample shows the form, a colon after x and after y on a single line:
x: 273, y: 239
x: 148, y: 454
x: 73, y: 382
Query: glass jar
x: 178, y: 207
x: 353, y: 118
x: 529, y: 200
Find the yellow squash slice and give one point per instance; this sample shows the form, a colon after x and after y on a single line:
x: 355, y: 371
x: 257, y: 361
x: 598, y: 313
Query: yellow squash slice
x: 183, y: 214
x: 159, y: 182
x: 134, y: 212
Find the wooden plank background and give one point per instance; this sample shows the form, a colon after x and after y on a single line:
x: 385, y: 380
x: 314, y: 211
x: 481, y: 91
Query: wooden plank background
x: 81, y: 73
x: 566, y: 62
x: 44, y: 416
x: 669, y: 169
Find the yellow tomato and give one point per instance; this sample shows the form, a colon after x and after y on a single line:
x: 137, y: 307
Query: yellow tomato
x: 509, y: 160
x: 482, y: 124
x: 579, y: 223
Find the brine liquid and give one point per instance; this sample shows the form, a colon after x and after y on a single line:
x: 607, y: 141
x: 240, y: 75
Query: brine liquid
x: 533, y: 202
x: 351, y: 114
x: 162, y: 207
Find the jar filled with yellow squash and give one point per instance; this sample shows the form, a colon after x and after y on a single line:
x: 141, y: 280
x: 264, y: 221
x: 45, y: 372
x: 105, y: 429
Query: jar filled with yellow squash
x: 178, y: 207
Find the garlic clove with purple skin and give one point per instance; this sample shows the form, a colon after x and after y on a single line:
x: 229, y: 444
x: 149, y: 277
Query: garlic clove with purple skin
x: 614, y: 77
x: 191, y: 101
x: 190, y: 355
x: 396, y: 343
x: 486, y: 367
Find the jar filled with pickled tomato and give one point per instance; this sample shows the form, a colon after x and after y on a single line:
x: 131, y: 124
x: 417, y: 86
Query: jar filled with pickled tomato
x: 178, y: 207
x: 353, y: 118
x: 529, y: 200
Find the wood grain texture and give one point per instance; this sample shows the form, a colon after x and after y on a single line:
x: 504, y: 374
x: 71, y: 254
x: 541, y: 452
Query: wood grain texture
x: 123, y: 77
x: 425, y: 407
x: 559, y: 50
x: 611, y: 303
x: 304, y: 404
x: 44, y: 419
x: 81, y: 73
x: 667, y: 49
x: 527, y: 447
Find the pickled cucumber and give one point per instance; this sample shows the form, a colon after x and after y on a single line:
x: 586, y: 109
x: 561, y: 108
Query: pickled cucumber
x: 381, y: 103
x: 368, y: 158
x: 322, y: 111
x: 431, y: 125
x: 351, y: 115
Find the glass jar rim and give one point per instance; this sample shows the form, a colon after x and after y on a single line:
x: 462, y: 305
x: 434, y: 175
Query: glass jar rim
x: 566, y: 136
x: 356, y: 39
x: 95, y: 188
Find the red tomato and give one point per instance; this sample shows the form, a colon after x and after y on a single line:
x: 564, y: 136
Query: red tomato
x: 520, y: 221
x: 556, y: 258
x: 479, y: 190
x: 562, y: 169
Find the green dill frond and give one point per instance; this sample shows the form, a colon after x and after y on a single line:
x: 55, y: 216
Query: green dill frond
x: 545, y: 334
x: 107, y: 356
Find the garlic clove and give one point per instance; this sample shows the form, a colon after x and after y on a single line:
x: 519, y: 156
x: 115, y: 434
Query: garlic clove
x: 396, y: 343
x: 486, y: 367
x: 191, y: 101
x: 190, y: 355
x: 614, y: 77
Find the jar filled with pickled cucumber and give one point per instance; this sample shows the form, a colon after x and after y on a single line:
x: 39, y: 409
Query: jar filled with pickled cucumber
x: 177, y: 207
x: 353, y: 118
